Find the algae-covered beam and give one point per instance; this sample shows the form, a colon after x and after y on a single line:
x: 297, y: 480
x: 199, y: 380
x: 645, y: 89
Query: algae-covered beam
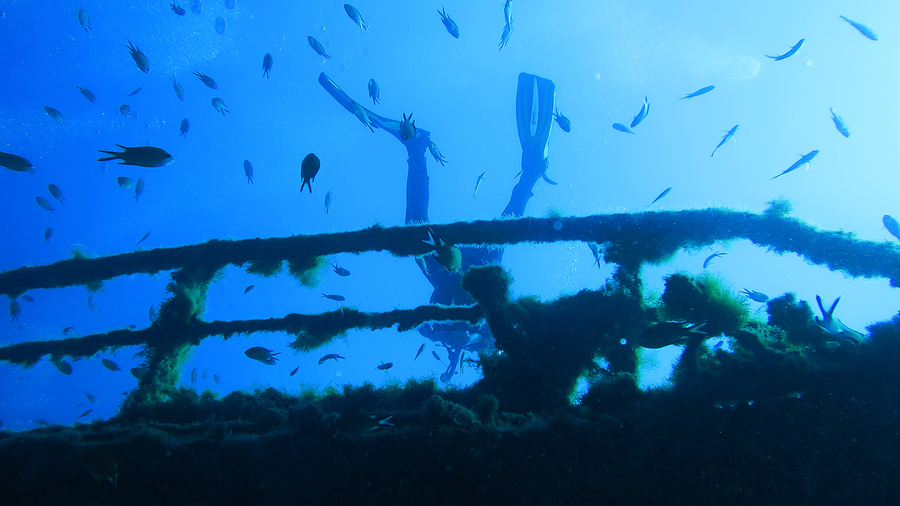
x: 312, y: 331
x: 633, y: 239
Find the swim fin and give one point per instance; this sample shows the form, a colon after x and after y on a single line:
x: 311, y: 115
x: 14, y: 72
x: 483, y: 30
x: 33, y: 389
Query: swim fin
x: 535, y: 103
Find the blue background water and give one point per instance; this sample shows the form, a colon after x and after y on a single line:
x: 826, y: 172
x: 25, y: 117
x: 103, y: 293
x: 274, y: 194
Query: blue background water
x: 604, y: 57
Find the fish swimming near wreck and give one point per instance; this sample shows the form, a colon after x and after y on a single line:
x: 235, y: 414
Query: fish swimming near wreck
x: 140, y: 156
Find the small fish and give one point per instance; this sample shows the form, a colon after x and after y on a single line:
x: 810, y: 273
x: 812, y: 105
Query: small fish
x: 330, y: 356
x: 177, y: 9
x: 42, y: 422
x: 86, y: 413
x: 249, y: 288
x: 562, y: 121
x: 622, y: 128
x: 15, y: 310
x: 48, y: 234
x: 63, y: 366
x: 317, y: 47
x: 421, y: 349
x: 102, y: 465
x: 56, y: 115
x: 789, y: 53
x: 449, y: 23
x: 595, y: 251
x: 152, y: 313
x: 374, y: 91
x: 385, y: 366
x: 294, y: 371
x: 836, y: 327
x: 339, y: 298
x: 863, y: 29
x: 220, y: 25
x: 328, y: 198
x: 179, y: 90
x: 360, y: 112
x: 109, y: 364
x: 478, y: 184
x: 754, y: 295
x: 407, y: 127
x: 66, y: 330
x: 804, y: 160
x: 356, y: 17
x: 138, y: 189
x: 140, y: 59
x: 87, y: 94
x: 421, y: 263
x: 448, y: 255
x: 142, y: 240
x: 340, y: 271
x: 124, y: 182
x: 135, y: 92
x: 891, y: 225
x: 661, y: 195
x: 205, y: 79
x: 309, y: 167
x: 436, y: 153
x: 839, y: 123
x: 28, y: 298
x: 140, y: 156
x: 356, y: 424
x: 15, y: 163
x: 90, y: 303
x: 709, y: 259
x: 217, y: 379
x: 436, y: 357
x: 219, y: 105
x: 701, y: 91
x: 184, y: 127
x: 138, y: 372
x: 125, y: 110
x: 56, y: 192
x: 248, y: 171
x: 193, y: 375
x: 507, y: 12
x: 261, y: 354
x: 668, y: 333
x: 267, y: 64
x: 41, y: 201
x: 728, y: 136
x: 85, y: 21
x: 90, y: 397
x: 504, y: 37
x: 642, y: 114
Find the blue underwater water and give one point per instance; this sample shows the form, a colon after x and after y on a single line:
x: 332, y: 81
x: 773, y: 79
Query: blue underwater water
x: 604, y: 57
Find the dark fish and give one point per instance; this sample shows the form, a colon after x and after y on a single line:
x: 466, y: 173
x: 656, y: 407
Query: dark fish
x: 374, y: 91
x: 317, y: 47
x: 446, y: 254
x: 219, y: 105
x: 66, y: 330
x: 220, y: 25
x: 177, y: 9
x: 338, y: 298
x: 261, y: 354
x: 125, y: 110
x: 86, y: 413
x: 41, y: 201
x: 15, y: 310
x: 661, y: 195
x: 863, y: 29
x: 140, y: 59
x: 28, y: 298
x: 15, y: 162
x: 138, y: 372
x: 804, y: 160
x: 328, y: 198
x: 142, y: 240
x: 385, y: 366
x: 449, y: 23
x: 124, y: 182
x: 85, y: 21
x: 193, y: 375
x: 356, y: 424
x: 308, y: 170
x: 217, y: 379
x: 562, y: 121
x: 102, y: 465
x: 42, y: 422
x: 135, y: 92
x: 839, y: 123
x: 140, y: 156
x: 728, y: 136
x: 90, y: 397
x: 267, y: 64
x: 504, y: 37
x: 356, y: 17
x: 754, y: 295
x: 340, y: 271
x: 478, y: 183
x: 436, y: 357
x: 407, y: 129
x: 48, y: 234
x: 710, y: 258
x: 63, y: 366
x: 184, y: 127
x: 179, y: 91
x: 56, y: 192
x: 790, y: 53
x: 295, y: 371
x: 205, y: 79
x: 87, y: 94
x: 249, y: 287
x: 668, y: 333
x: 330, y: 356
x: 196, y: 8
x: 421, y: 349
x: 622, y: 128
x: 891, y: 225
x: 248, y: 171
x: 642, y: 114
x: 109, y: 364
x: 701, y: 91
x: 138, y: 189
x: 53, y: 113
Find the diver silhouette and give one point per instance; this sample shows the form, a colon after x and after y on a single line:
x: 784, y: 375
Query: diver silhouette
x: 535, y: 103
